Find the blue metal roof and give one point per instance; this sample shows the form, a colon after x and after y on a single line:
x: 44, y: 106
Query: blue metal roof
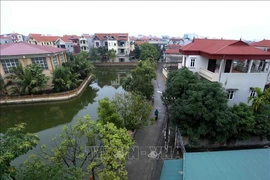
x: 227, y: 165
x: 171, y: 170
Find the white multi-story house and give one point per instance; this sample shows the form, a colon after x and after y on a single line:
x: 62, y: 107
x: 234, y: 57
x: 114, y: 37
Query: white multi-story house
x: 238, y: 66
x: 65, y: 43
x: 44, y: 40
x: 116, y: 41
x: 83, y: 41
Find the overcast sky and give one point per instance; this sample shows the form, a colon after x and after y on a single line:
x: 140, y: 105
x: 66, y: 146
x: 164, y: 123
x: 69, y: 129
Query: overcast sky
x: 228, y: 19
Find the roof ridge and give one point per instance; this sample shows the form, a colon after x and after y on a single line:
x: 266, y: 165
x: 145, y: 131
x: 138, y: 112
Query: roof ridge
x: 226, y: 46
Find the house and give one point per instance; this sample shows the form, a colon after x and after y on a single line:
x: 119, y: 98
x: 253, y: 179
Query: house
x: 65, y: 43
x: 43, y: 40
x: 263, y: 45
x: 116, y: 41
x: 222, y: 165
x: 5, y: 40
x: 49, y: 58
x: 11, y: 37
x: 83, y: 41
x: 172, y: 54
x: 238, y: 66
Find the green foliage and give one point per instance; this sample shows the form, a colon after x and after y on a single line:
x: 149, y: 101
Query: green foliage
x: 244, y: 120
x: 149, y: 51
x: 134, y: 110
x: 137, y: 51
x: 112, y: 54
x: 28, y: 80
x: 3, y: 89
x: 140, y: 80
x: 99, y: 54
x: 13, y: 143
x: 36, y: 168
x: 262, y: 97
x: 84, y: 148
x: 116, y: 143
x: 64, y: 79
x: 107, y: 113
x: 200, y: 109
x: 69, y: 76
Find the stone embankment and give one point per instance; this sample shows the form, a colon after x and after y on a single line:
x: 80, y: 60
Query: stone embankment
x: 45, y: 97
x: 121, y: 64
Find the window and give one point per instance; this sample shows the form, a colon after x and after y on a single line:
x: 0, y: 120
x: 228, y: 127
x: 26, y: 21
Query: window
x: 41, y: 61
x: 62, y: 58
x: 252, y: 93
x: 55, y: 62
x: 114, y: 44
x: 192, y: 62
x: 97, y: 44
x: 8, y: 64
x: 230, y: 94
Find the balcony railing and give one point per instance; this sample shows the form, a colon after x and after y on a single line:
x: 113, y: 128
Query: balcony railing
x: 180, y: 65
x: 209, y: 75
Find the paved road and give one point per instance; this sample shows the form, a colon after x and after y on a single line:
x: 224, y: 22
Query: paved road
x: 141, y: 164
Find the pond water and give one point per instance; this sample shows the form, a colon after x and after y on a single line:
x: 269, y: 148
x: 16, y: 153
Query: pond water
x: 47, y: 120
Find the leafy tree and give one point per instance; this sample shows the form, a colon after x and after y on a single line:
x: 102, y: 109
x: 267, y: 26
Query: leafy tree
x: 107, y: 113
x: 149, y: 51
x: 112, y: 54
x: 103, y: 53
x: 262, y: 124
x: 244, y: 119
x: 140, y: 80
x: 28, y: 80
x: 203, y: 111
x: 261, y: 97
x: 116, y: 143
x: 94, y: 55
x: 137, y: 51
x: 85, y: 148
x: 14, y: 143
x: 80, y: 65
x: 3, y: 89
x: 134, y: 109
x: 64, y: 79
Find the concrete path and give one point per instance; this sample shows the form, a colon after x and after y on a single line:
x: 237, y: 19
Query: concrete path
x: 142, y: 164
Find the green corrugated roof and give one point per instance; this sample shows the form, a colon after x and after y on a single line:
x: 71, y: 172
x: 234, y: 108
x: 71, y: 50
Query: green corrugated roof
x: 171, y: 170
x: 227, y: 165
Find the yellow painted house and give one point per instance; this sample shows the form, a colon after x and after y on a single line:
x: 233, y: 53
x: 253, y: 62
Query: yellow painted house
x: 49, y: 58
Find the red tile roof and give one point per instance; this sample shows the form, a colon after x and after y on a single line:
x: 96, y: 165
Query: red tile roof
x: 118, y: 36
x: 218, y: 48
x: 174, y: 46
x: 23, y: 48
x: 172, y: 51
x: 140, y: 42
x: 39, y: 37
x: 5, y: 37
x: 263, y: 43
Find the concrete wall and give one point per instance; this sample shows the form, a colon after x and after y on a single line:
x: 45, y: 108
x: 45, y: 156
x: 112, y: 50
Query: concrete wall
x: 243, y: 82
x: 200, y: 62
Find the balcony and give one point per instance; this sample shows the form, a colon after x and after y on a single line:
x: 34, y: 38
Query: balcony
x: 209, y: 75
x: 180, y: 65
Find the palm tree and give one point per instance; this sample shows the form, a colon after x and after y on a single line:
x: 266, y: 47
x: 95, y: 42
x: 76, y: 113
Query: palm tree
x: 261, y: 97
x: 64, y: 79
x: 28, y: 80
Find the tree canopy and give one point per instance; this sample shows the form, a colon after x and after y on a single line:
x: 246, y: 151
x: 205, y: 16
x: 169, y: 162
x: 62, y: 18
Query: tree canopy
x: 140, y: 80
x: 149, y: 51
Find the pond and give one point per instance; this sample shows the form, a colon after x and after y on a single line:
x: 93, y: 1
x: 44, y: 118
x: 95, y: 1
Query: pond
x: 47, y: 120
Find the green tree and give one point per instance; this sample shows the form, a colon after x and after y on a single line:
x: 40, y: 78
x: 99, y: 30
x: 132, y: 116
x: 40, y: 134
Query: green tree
x: 261, y: 97
x: 149, y: 51
x: 107, y: 113
x: 244, y: 119
x: 140, y: 80
x: 103, y: 53
x: 112, y: 54
x: 116, y: 143
x: 134, y: 110
x: 3, y: 89
x: 262, y: 123
x: 137, y: 51
x: 94, y: 55
x: 202, y: 111
x: 86, y: 148
x: 14, y: 143
x: 64, y: 79
x: 28, y: 80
